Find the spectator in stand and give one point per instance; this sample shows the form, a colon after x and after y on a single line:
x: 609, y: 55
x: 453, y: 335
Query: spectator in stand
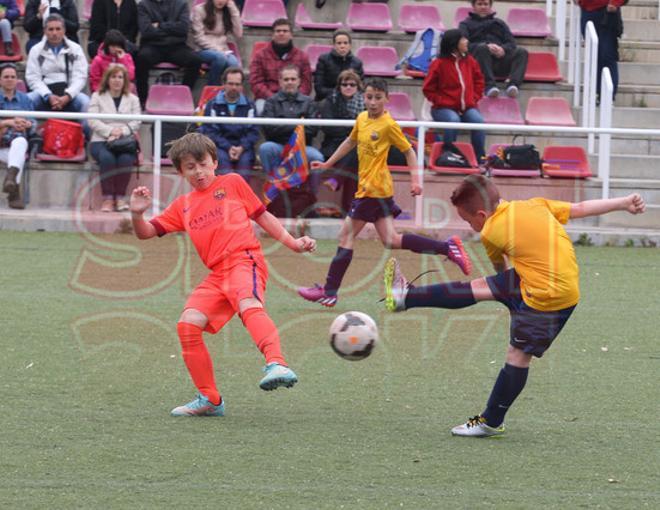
x: 56, y: 71
x: 8, y: 14
x: 234, y: 142
x: 112, y: 51
x: 331, y: 64
x: 493, y: 46
x: 289, y: 103
x: 606, y: 17
x: 164, y: 26
x: 212, y: 22
x: 453, y: 86
x: 38, y: 11
x: 14, y: 133
x: 345, y: 102
x: 114, y: 96
x: 113, y: 14
x: 268, y: 62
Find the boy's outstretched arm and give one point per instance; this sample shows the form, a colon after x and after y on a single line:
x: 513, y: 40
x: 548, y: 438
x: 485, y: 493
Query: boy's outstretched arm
x: 633, y: 203
x: 275, y: 230
x: 411, y: 161
x: 346, y: 146
x: 140, y: 202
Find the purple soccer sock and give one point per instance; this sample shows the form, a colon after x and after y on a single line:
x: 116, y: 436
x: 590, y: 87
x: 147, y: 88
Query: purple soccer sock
x: 420, y: 244
x: 338, y: 267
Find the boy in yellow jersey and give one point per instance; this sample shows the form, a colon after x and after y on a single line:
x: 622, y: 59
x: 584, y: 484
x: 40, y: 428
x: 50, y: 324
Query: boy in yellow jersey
x: 541, y: 289
x: 373, y: 134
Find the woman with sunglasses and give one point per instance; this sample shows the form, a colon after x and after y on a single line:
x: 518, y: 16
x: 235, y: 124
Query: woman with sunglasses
x: 344, y: 102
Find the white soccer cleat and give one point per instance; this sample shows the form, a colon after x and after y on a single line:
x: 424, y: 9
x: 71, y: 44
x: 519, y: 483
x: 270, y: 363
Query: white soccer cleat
x: 396, y: 287
x: 476, y: 427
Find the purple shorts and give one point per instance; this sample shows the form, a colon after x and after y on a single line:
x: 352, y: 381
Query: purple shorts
x: 372, y: 209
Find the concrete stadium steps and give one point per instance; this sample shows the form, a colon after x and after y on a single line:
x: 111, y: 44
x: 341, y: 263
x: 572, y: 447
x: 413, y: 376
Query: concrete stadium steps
x: 628, y: 166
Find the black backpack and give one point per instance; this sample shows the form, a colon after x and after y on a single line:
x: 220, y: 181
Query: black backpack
x: 451, y: 156
x: 516, y: 157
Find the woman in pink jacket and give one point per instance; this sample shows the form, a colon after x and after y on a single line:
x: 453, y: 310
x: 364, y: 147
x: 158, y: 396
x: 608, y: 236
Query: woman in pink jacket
x: 212, y: 22
x: 112, y: 51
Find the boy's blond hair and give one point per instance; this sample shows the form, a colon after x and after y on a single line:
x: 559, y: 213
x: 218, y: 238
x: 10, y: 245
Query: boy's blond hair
x: 196, y: 145
x: 476, y: 193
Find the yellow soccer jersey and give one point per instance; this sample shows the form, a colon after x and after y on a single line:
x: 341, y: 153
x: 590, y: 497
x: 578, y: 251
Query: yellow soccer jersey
x: 374, y: 138
x: 530, y: 234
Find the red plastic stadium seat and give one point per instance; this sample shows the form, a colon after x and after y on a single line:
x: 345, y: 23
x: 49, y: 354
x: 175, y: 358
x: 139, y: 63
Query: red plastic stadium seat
x: 304, y: 21
x: 501, y: 110
x: 549, y: 111
x: 87, y: 9
x: 17, y: 51
x: 503, y: 172
x: 542, y: 66
x: 413, y: 17
x: 569, y: 161
x: 262, y: 13
x: 21, y: 86
x: 414, y: 74
x: 21, y: 7
x: 461, y: 14
x: 378, y: 60
x: 314, y: 51
x: 400, y: 106
x: 467, y: 151
x: 169, y: 100
x: 369, y: 17
x: 531, y: 22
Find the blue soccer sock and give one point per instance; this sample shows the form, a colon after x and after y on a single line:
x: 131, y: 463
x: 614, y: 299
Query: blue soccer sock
x: 338, y: 268
x: 444, y: 295
x: 510, y: 382
x: 420, y: 244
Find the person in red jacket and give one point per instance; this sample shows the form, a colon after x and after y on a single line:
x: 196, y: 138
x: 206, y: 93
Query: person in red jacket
x: 606, y: 17
x: 269, y: 61
x: 454, y: 85
x: 113, y: 50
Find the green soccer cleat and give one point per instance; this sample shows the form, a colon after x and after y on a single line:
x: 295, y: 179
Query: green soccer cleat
x: 200, y: 406
x: 277, y: 375
x: 396, y: 287
x: 476, y: 427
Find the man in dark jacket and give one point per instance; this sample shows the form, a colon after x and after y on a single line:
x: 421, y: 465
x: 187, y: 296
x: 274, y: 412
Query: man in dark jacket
x: 36, y: 11
x: 164, y: 28
x: 331, y: 64
x: 288, y: 103
x: 493, y: 46
x: 235, y: 142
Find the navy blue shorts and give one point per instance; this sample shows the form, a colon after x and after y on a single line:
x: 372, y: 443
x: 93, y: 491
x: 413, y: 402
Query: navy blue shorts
x: 372, y: 209
x: 532, y: 331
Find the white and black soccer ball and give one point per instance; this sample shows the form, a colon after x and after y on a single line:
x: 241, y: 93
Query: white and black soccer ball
x: 353, y: 335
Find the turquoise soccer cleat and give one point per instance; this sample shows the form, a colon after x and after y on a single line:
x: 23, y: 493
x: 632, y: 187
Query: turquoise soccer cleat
x: 277, y: 375
x: 200, y: 406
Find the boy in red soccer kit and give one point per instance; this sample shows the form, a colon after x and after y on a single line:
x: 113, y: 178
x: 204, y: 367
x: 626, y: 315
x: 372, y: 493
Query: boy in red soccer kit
x: 216, y: 215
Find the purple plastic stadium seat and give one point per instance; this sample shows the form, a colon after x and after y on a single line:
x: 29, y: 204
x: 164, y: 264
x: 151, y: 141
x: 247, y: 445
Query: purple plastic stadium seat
x: 501, y: 110
x: 400, y: 106
x: 542, y: 66
x: 549, y: 111
x: 502, y: 172
x: 262, y: 13
x: 528, y: 22
x: 169, y: 100
x: 20, y: 86
x: 369, y: 17
x: 87, y: 9
x: 566, y: 161
x: 314, y: 51
x: 378, y: 60
x: 465, y: 148
x: 304, y: 20
x: 460, y: 14
x: 413, y: 17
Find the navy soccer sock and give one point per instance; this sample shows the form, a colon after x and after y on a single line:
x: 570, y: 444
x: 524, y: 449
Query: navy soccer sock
x: 443, y: 295
x: 420, y: 244
x: 510, y: 382
x: 338, y: 267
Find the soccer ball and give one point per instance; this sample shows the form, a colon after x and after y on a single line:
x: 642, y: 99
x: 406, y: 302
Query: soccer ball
x: 353, y: 335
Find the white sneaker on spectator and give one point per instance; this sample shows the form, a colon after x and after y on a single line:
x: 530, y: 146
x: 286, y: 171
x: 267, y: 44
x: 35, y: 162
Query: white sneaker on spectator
x: 512, y: 91
x: 493, y: 92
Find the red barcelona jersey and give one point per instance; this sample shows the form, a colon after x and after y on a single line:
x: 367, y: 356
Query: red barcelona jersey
x: 216, y: 219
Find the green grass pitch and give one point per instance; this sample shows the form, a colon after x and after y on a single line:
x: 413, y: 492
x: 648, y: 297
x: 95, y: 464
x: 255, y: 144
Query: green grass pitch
x: 90, y: 367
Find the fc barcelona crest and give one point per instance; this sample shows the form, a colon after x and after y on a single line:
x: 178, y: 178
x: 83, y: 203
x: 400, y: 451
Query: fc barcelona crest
x: 219, y: 194
x: 375, y: 136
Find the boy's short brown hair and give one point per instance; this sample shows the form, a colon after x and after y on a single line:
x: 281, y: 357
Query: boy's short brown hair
x: 476, y: 193
x: 196, y: 145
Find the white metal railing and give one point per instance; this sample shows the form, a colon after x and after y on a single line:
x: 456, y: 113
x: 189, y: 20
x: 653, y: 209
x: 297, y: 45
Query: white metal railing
x: 589, y: 90
x: 560, y: 29
x: 157, y: 120
x: 607, y: 91
x: 548, y: 8
x: 574, y: 53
